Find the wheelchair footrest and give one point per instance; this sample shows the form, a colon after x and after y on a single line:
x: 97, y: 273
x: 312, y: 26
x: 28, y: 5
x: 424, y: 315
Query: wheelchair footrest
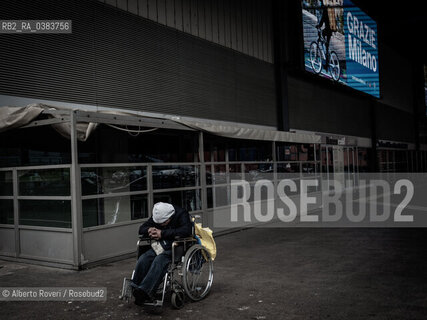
x: 155, y: 303
x: 126, y: 290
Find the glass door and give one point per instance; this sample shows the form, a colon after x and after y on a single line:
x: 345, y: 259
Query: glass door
x: 339, y: 163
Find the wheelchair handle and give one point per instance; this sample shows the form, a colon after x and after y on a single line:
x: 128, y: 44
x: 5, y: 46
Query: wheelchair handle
x: 196, y: 217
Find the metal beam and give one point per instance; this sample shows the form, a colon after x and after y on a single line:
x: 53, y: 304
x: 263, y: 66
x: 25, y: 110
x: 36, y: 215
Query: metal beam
x: 76, y: 201
x: 45, y: 122
x: 96, y: 117
x: 16, y: 213
x: 205, y: 218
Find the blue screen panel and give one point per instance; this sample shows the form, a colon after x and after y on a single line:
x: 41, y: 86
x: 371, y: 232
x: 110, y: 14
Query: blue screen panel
x: 340, y: 43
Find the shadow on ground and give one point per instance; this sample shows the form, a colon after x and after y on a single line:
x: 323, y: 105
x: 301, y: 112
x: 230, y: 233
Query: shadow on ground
x: 291, y: 273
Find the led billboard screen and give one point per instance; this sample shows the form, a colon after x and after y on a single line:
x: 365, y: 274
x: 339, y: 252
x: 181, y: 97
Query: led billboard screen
x: 340, y: 43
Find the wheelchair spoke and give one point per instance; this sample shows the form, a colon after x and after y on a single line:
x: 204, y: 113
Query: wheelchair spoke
x: 198, y: 273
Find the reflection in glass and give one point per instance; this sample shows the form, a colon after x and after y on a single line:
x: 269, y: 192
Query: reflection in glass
x: 46, y: 213
x: 108, y: 145
x: 256, y: 171
x: 113, y: 180
x: 295, y: 152
x: 286, y: 152
x: 249, y: 150
x: 263, y: 193
x: 221, y: 196
x: 308, y: 168
x: 209, y: 197
x: 220, y: 174
x: 33, y: 146
x: 215, y: 148
x: 113, y: 210
x: 235, y: 171
x: 6, y: 211
x: 209, y: 174
x: 187, y: 199
x: 290, y: 167
x: 165, y: 177
x: 6, y: 183
x: 47, y: 182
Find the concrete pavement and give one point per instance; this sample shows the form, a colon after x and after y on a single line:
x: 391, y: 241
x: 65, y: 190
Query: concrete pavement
x: 290, y: 273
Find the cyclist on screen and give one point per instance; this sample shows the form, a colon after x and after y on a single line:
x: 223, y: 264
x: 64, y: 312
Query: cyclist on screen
x: 327, y: 30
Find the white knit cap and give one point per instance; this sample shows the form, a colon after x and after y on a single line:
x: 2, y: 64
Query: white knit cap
x: 162, y: 211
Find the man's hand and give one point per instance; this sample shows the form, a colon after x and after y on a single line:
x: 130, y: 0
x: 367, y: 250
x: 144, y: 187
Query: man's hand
x: 155, y: 233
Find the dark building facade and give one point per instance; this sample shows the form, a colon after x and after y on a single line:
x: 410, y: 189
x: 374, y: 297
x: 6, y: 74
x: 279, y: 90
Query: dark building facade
x: 235, y: 64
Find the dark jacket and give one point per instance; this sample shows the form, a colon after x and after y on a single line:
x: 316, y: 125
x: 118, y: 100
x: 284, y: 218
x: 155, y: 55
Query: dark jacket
x: 179, y: 226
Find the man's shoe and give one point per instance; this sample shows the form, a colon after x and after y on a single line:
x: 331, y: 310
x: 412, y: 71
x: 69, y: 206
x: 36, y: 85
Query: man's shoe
x: 140, y: 296
x: 151, y: 299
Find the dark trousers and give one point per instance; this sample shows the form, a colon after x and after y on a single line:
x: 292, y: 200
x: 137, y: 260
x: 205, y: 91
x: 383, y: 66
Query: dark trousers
x: 150, y: 270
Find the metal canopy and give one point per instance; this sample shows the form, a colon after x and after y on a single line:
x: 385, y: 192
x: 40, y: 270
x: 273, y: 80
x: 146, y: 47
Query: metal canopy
x: 129, y: 120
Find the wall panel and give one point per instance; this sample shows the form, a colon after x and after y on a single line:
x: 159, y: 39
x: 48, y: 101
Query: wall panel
x: 242, y: 25
x: 119, y: 60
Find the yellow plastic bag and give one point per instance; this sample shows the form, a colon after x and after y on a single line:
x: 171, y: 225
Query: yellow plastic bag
x: 206, y: 239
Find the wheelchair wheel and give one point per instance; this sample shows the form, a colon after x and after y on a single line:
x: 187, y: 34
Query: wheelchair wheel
x: 197, y: 272
x: 177, y: 299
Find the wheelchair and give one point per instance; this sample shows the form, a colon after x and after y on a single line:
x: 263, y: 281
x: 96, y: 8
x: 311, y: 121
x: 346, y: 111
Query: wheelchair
x: 189, y: 275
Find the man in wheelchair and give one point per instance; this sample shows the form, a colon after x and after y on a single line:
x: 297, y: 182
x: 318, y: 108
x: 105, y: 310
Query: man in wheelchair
x: 166, y: 224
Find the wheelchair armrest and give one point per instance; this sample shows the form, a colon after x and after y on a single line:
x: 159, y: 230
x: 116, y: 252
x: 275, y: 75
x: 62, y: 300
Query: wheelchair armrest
x: 141, y: 237
x: 180, y: 246
x: 182, y: 239
x: 178, y: 238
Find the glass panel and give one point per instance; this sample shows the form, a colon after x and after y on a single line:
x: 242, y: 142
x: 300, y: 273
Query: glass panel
x: 46, y: 213
x: 382, y: 156
x: 33, y: 146
x: 363, y: 160
x: 287, y: 152
x: 235, y: 171
x: 324, y: 160
x: 44, y: 182
x: 6, y: 183
x: 215, y: 148
x: 263, y: 194
x: 188, y: 199
x: 290, y: 167
x: 209, y: 174
x: 318, y: 168
x: 401, y: 161
x: 330, y: 157
x: 254, y: 172
x: 108, y: 145
x: 242, y: 150
x: 210, y: 197
x: 113, y: 180
x: 308, y: 168
x: 221, y: 196
x: 351, y: 159
x: 346, y: 153
x: 306, y: 152
x: 218, y: 154
x: 220, y: 174
x: 6, y: 212
x: 317, y: 152
x: 165, y: 177
x: 113, y: 210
